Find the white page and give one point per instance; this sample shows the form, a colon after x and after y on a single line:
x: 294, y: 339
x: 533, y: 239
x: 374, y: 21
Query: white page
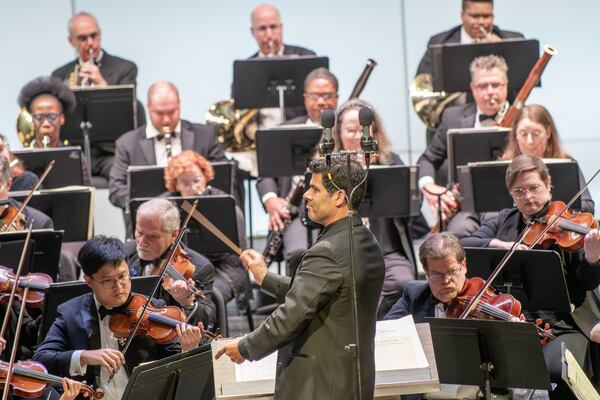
x: 397, y: 345
x: 260, y: 370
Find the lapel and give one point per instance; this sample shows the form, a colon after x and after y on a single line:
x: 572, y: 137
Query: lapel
x: 467, y: 119
x: 187, y: 137
x: 147, y: 147
x: 105, y: 67
x: 89, y: 316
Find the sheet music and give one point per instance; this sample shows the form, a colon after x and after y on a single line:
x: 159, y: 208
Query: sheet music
x: 260, y: 370
x: 397, y: 345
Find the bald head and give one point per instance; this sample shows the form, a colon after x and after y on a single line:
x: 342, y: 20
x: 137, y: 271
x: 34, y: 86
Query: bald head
x: 267, y: 28
x: 163, y: 105
x: 84, y: 35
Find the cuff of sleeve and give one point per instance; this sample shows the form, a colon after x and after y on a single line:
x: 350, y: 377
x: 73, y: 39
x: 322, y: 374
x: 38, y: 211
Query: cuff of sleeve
x: 242, y: 347
x: 76, y: 369
x: 270, y: 283
x: 425, y: 180
x: 267, y: 196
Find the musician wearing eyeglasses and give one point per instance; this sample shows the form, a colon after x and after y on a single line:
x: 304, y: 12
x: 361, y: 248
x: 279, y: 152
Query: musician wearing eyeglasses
x: 80, y: 343
x: 529, y: 183
x: 477, y: 18
x: 489, y: 86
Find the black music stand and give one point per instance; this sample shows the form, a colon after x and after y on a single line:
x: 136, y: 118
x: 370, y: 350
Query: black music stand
x: 101, y: 115
x: 70, y: 210
x: 61, y: 292
x: 534, y: 277
x: 382, y: 199
x: 67, y: 169
x: 273, y: 81
x: 219, y: 209
x: 185, y: 376
x: 483, y: 184
x: 286, y: 151
x: 43, y: 253
x: 467, y: 145
x: 497, y: 353
x: 451, y: 61
x: 149, y: 180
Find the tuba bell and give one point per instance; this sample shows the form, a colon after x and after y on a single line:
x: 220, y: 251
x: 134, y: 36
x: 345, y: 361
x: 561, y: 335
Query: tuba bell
x: 25, y: 128
x: 429, y: 105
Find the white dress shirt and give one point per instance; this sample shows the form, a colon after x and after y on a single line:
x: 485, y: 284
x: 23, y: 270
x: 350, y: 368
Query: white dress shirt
x: 160, y: 146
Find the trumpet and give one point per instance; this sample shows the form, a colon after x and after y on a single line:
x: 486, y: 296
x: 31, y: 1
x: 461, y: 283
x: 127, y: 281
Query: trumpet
x: 74, y: 79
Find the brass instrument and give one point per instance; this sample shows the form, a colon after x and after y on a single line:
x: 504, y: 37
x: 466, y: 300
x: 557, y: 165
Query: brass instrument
x: 74, y: 80
x: 236, y: 129
x: 25, y: 128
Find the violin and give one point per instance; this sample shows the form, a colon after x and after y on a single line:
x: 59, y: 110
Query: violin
x: 181, y: 268
x: 566, y: 231
x: 12, y: 219
x: 492, y: 306
x: 37, y: 282
x: 157, y: 323
x: 30, y: 379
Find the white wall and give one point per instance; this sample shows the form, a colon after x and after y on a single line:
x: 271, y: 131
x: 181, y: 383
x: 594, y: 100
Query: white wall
x: 193, y: 43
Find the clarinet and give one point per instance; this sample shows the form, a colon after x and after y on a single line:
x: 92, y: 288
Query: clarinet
x: 275, y: 238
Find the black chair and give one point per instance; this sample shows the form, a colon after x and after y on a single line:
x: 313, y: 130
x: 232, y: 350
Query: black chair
x: 222, y: 323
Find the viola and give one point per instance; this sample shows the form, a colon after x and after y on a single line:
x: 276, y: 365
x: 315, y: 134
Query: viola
x: 181, y: 268
x: 566, y: 231
x: 491, y: 306
x: 38, y: 284
x: 157, y: 323
x: 30, y: 379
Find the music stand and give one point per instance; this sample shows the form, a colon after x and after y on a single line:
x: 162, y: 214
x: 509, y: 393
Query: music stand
x: 185, y: 376
x: 101, y: 115
x: 61, y: 292
x: 451, y: 61
x: 286, y: 151
x: 467, y: 145
x: 273, y: 81
x: 220, y: 209
x: 534, y: 277
x: 43, y: 253
x: 70, y: 209
x: 466, y: 350
x: 67, y: 169
x: 149, y: 180
x: 384, y: 200
x: 483, y: 186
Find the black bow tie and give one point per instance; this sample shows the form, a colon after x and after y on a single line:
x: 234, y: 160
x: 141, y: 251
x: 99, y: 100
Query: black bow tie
x: 103, y: 311
x: 161, y: 136
x: 483, y: 117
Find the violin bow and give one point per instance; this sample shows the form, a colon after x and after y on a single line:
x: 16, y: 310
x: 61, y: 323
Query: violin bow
x: 163, y: 270
x: 17, y: 277
x: 475, y: 300
x: 29, y: 196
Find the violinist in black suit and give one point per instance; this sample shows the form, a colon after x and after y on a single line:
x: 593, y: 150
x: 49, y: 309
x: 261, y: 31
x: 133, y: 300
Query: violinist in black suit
x: 80, y: 343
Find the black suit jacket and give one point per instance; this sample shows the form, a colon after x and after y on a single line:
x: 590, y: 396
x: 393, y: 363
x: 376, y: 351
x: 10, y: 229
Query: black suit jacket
x: 416, y: 300
x: 133, y: 148
x: 453, y: 36
x: 76, y: 327
x: 290, y: 50
x: 203, y: 276
x: 313, y: 325
x: 115, y: 70
x: 437, y: 152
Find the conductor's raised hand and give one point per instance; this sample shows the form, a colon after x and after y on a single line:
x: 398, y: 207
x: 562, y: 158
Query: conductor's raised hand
x: 254, y: 262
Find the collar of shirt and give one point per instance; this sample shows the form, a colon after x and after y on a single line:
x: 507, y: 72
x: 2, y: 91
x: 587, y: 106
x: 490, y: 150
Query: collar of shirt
x: 278, y: 54
x: 152, y: 132
x: 311, y: 123
x: 97, y: 61
x: 479, y: 124
x: 465, y: 38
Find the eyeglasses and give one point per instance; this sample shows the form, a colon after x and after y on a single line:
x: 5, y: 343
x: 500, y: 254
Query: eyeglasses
x: 437, y: 276
x: 83, y: 38
x: 325, y: 96
x: 493, y: 85
x: 53, y: 118
x: 519, y: 193
x: 535, y: 133
x: 189, y: 183
x: 112, y: 283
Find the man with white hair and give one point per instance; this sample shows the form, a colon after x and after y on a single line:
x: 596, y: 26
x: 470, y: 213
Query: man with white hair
x: 156, y: 227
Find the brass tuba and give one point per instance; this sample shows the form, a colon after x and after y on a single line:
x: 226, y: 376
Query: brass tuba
x: 236, y: 129
x: 429, y: 105
x: 25, y: 128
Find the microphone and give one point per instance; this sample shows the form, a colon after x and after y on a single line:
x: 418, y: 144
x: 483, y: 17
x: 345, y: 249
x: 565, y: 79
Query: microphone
x: 367, y: 144
x: 327, y: 144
